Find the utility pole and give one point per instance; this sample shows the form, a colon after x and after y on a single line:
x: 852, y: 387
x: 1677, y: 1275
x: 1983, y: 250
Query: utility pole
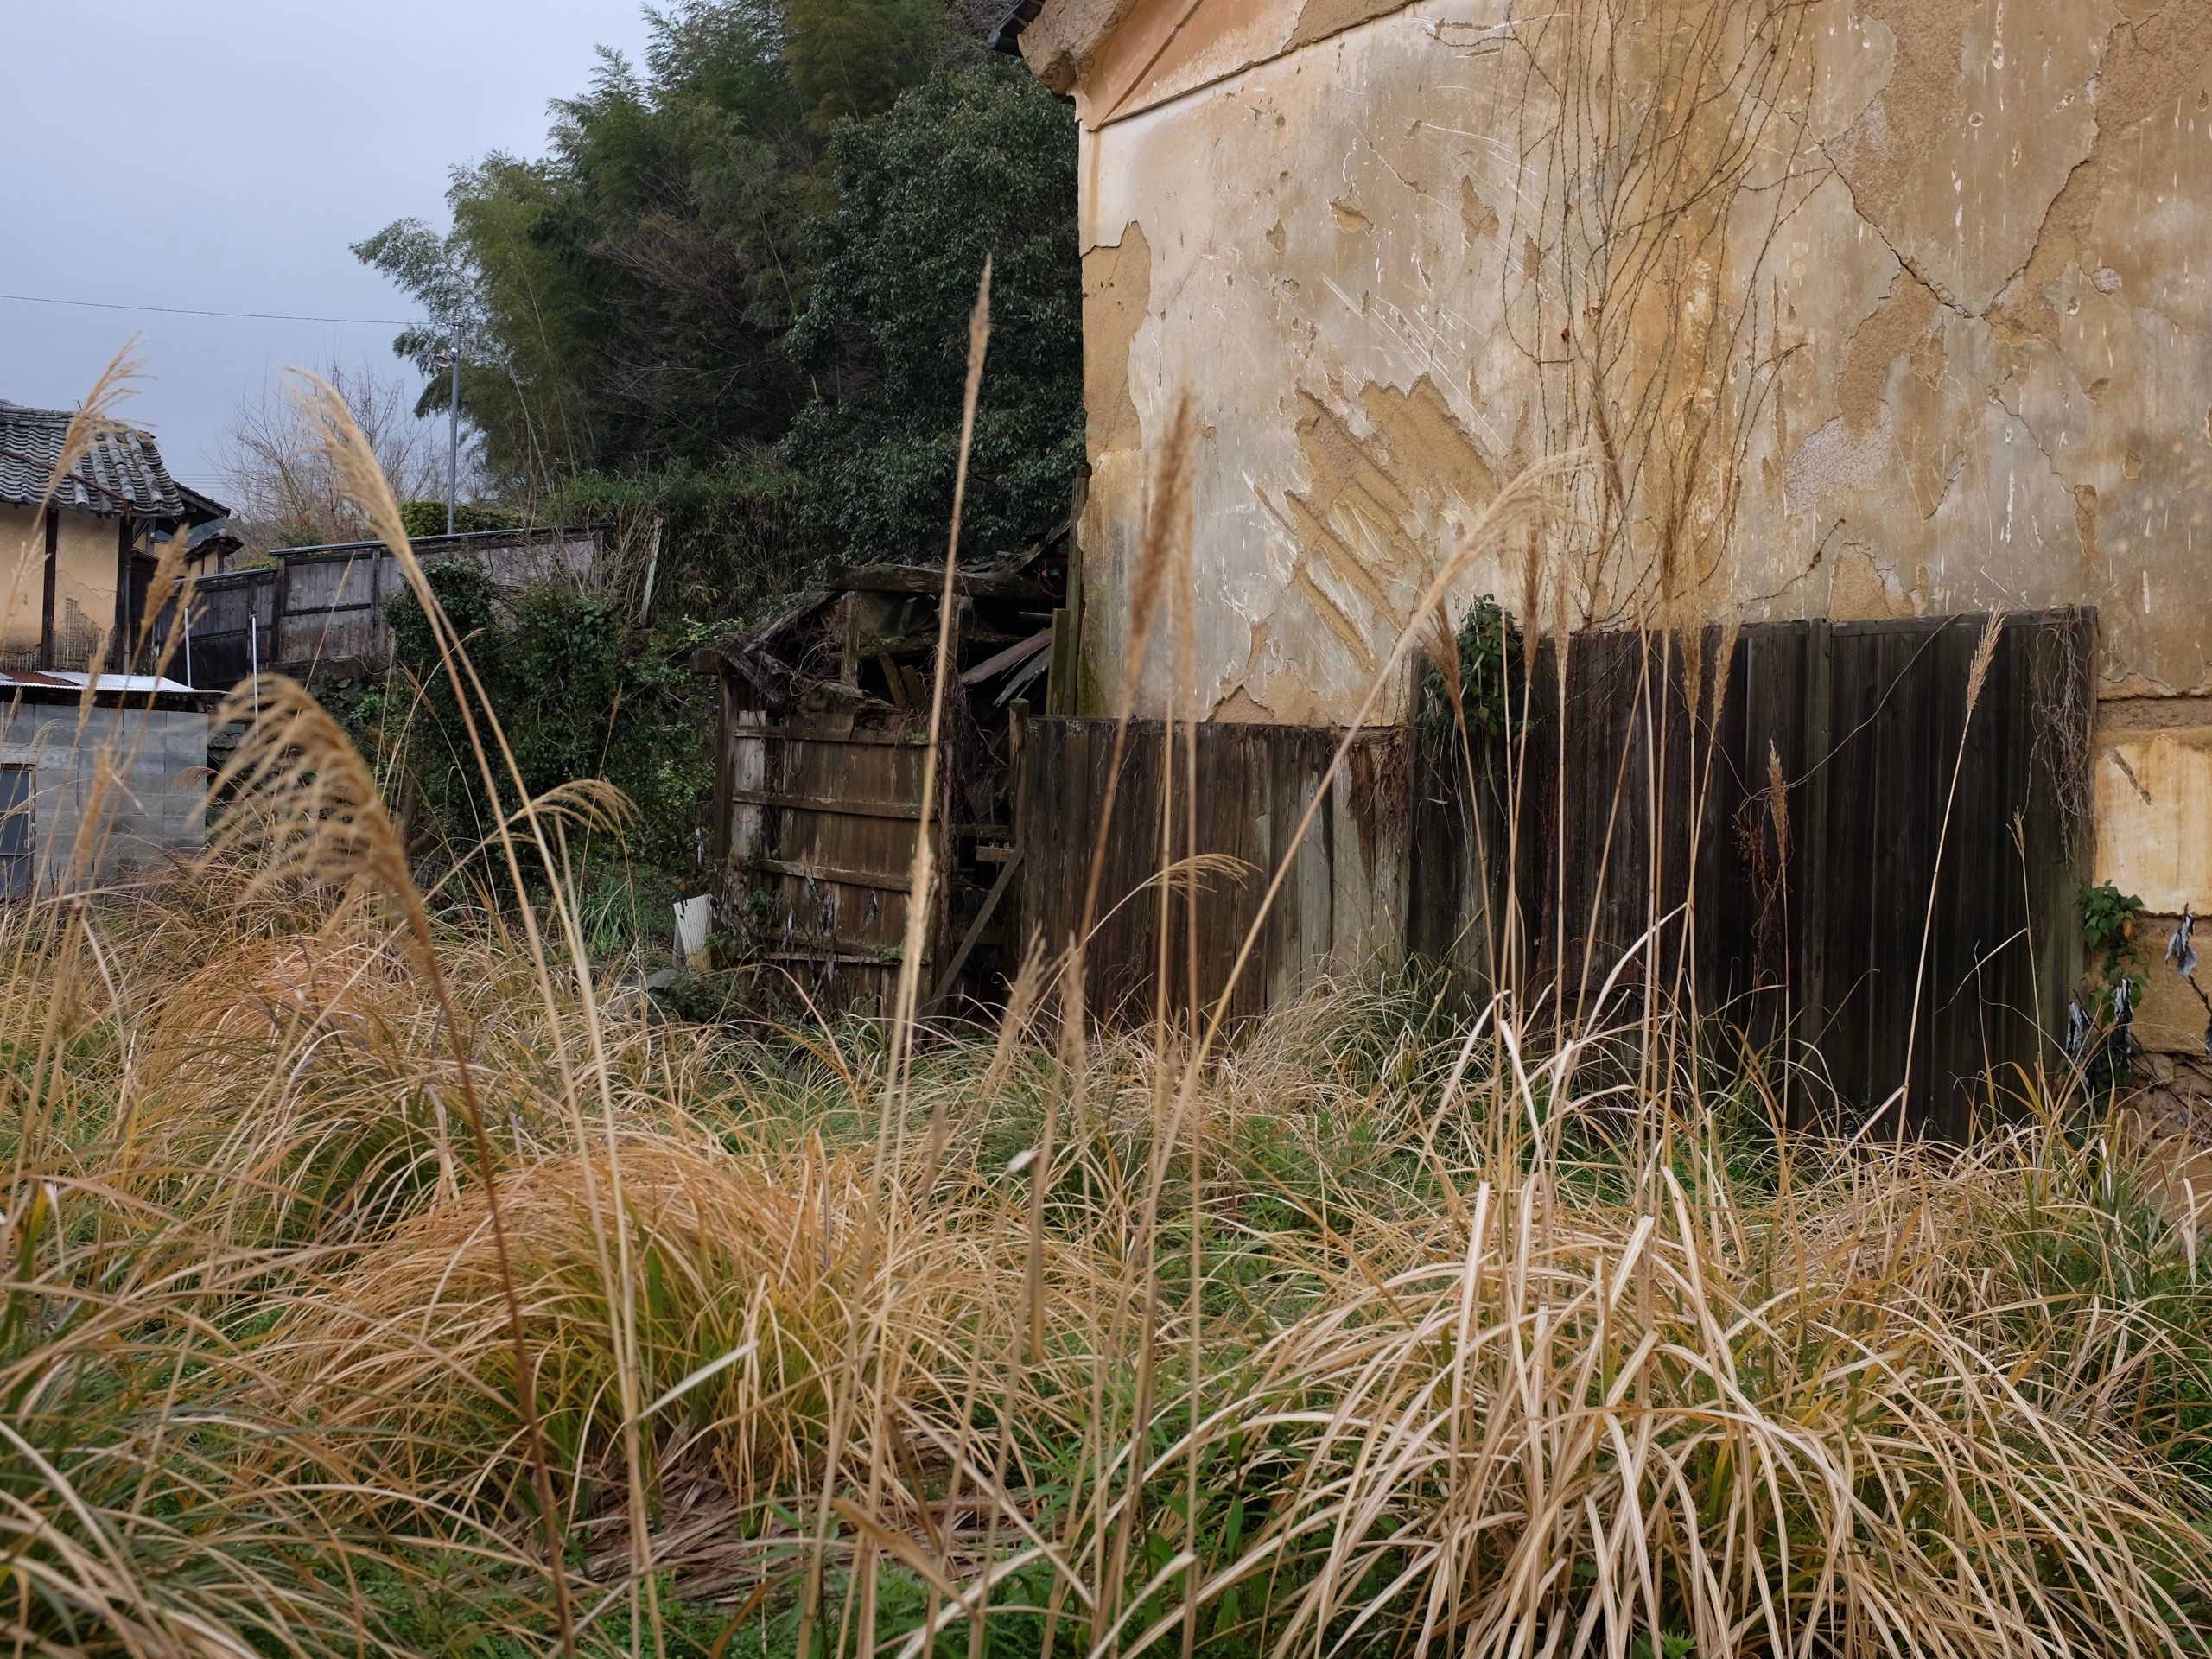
x: 449, y: 357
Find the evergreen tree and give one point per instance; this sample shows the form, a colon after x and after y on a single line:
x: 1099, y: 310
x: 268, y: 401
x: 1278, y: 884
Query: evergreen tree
x: 976, y: 162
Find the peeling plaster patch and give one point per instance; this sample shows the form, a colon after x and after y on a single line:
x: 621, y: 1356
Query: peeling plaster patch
x: 1116, y: 293
x: 1350, y: 478
x: 2154, y: 818
x: 1233, y: 696
x: 1270, y: 689
x: 1426, y: 444
x: 1366, y: 523
x: 1861, y: 590
x: 1333, y: 615
x: 1480, y: 219
x: 1861, y: 56
x: 1907, y: 323
x: 2143, y: 78
x: 1835, y: 459
x: 2085, y: 525
x: 1372, y: 500
x: 1909, y: 155
x: 1318, y: 19
x: 1349, y: 217
x: 1240, y: 705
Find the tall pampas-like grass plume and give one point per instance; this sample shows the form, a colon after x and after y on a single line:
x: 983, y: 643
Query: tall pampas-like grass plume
x: 375, y: 1278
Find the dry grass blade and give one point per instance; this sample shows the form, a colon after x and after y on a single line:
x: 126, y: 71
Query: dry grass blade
x: 865, y: 1336
x: 301, y: 801
x: 1454, y: 1387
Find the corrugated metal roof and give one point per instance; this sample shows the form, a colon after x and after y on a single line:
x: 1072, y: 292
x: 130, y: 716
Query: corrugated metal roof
x: 75, y: 682
x: 120, y: 472
x: 76, y: 679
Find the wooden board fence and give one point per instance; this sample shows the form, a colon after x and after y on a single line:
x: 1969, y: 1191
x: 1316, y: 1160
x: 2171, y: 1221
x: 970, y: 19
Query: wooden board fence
x: 321, y: 611
x: 1341, y: 906
x: 1806, y: 839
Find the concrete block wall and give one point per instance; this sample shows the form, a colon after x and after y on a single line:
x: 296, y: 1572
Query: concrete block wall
x: 115, y: 789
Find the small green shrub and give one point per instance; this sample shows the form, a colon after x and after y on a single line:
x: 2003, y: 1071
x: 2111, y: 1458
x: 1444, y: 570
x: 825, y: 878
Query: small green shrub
x: 2101, y: 1034
x: 1488, y: 642
x: 421, y: 518
x: 580, y: 692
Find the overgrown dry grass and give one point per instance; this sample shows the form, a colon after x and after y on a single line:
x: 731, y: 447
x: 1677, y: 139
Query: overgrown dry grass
x: 379, y: 1282
x: 1462, y: 1368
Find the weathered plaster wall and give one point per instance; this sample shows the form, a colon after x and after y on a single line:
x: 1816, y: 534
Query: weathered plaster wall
x: 1984, y: 276
x: 23, y: 576
x: 83, y: 589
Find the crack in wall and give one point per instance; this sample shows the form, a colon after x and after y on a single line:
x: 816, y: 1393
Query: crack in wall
x: 1904, y: 426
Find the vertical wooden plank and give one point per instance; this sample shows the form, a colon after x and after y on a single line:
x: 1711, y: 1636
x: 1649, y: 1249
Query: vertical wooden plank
x: 1145, y: 922
x: 1622, y: 828
x: 1537, y: 815
x: 1260, y: 830
x: 1279, y: 940
x: 1957, y: 881
x: 1900, y: 734
x: 46, y: 602
x: 1691, y: 772
x: 2074, y: 657
x: 1807, y: 949
x: 1305, y: 769
x: 2057, y: 700
x: 2023, y: 1023
x: 1743, y: 901
x: 718, y: 825
x: 1279, y: 934
x: 1221, y: 828
x: 1078, y: 775
x: 1849, y: 874
x: 1773, y: 915
x: 1919, y: 727
x: 1064, y: 795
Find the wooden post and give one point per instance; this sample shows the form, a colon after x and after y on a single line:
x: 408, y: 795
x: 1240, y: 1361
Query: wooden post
x: 280, y: 594
x: 1017, y: 741
x: 1074, y: 600
x: 119, y: 649
x: 52, y: 566
x: 1059, y: 674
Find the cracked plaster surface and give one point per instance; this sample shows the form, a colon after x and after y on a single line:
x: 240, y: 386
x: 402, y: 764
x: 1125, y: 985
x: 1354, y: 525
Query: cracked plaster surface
x: 1995, y: 287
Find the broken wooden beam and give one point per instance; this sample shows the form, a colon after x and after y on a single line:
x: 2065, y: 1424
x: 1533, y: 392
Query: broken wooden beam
x: 1012, y: 656
x: 921, y: 579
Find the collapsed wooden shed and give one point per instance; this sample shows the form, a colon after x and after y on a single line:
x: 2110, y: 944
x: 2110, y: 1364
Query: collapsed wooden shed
x: 823, y: 739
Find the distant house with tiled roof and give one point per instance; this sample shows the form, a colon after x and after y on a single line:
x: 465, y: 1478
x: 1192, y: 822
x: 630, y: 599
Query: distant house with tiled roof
x: 80, y: 548
x: 103, y: 744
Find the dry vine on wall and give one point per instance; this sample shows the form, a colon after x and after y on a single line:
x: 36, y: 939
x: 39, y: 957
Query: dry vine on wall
x: 1663, y: 149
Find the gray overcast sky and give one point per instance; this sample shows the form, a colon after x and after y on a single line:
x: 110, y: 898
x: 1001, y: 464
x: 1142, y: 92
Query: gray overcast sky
x: 223, y: 154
